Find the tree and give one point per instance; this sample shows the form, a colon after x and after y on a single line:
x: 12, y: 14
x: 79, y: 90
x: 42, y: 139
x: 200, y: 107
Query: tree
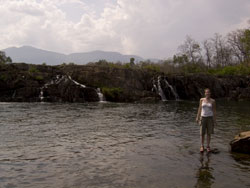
x: 246, y: 44
x: 235, y: 39
x: 207, y: 45
x: 191, y: 49
x: 4, y: 59
x: 132, y: 61
x: 222, y: 52
x: 180, y: 59
x: 102, y: 62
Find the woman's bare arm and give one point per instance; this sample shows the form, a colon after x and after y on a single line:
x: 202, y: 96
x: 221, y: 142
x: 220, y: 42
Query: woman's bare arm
x: 199, y: 111
x: 214, y: 111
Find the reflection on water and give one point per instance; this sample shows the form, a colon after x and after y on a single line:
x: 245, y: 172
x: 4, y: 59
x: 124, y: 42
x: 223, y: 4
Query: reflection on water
x: 205, y: 177
x: 118, y: 145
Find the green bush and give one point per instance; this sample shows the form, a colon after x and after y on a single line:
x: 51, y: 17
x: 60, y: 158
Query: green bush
x: 39, y: 77
x: 4, y: 59
x: 231, y: 70
x: 228, y: 71
x: 33, y: 69
x: 152, y: 67
x: 192, y: 68
x: 3, y: 77
x: 111, y: 93
x: 127, y: 65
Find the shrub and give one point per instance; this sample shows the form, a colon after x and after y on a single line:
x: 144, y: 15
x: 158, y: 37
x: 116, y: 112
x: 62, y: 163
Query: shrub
x: 229, y: 70
x: 152, y: 67
x: 33, y: 69
x: 111, y: 93
x: 232, y: 70
x: 240, y: 69
x: 3, y: 77
x: 39, y: 77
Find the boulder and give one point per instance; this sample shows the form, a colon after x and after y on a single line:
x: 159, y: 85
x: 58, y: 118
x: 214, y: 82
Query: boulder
x: 241, y: 143
x: 64, y: 89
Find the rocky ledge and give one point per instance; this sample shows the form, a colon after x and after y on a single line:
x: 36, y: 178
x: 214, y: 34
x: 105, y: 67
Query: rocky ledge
x: 22, y: 82
x: 241, y: 143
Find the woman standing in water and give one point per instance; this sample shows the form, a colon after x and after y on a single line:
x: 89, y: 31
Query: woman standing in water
x: 206, y: 117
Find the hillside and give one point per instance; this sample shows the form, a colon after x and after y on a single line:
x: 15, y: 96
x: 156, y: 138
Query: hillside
x: 33, y: 55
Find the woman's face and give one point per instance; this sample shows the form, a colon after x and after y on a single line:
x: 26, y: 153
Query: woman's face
x: 207, y: 93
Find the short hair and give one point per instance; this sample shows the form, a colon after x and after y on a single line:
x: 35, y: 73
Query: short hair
x: 207, y: 89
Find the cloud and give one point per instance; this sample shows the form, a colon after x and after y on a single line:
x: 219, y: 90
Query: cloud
x: 143, y: 27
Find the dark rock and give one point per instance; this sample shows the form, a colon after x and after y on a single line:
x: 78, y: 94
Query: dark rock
x: 65, y: 90
x: 117, y: 84
x: 23, y: 82
x: 241, y: 143
x: 192, y: 86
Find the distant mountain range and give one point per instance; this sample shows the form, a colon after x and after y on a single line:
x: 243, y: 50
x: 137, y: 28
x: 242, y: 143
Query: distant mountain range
x: 29, y: 54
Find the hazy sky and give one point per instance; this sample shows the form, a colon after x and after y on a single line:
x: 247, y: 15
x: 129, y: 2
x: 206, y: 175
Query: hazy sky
x: 149, y: 28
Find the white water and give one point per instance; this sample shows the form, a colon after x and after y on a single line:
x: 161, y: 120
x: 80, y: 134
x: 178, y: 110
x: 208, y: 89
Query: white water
x: 100, y: 95
x: 41, y: 95
x: 77, y: 83
x: 98, y: 90
x: 172, y: 90
x: 159, y: 89
x: 14, y: 94
x: 59, y: 78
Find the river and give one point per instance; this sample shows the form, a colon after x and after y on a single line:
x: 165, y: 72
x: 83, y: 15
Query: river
x: 107, y: 145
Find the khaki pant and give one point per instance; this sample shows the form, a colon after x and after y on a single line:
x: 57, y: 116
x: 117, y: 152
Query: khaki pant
x: 207, y: 125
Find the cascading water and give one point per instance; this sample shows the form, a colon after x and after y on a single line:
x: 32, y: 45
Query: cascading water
x: 157, y: 86
x: 77, y: 83
x: 57, y: 80
x: 100, y: 95
x: 60, y: 78
x: 172, y: 90
x: 98, y: 90
x: 159, y: 89
x: 41, y: 95
x: 14, y: 94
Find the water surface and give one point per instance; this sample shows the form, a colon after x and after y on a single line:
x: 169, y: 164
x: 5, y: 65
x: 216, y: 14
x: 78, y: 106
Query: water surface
x: 99, y: 145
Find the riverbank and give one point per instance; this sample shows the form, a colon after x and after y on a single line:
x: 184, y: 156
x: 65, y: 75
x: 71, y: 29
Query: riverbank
x: 20, y: 82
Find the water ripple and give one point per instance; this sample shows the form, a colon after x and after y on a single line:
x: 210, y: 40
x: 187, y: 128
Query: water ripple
x: 118, y: 145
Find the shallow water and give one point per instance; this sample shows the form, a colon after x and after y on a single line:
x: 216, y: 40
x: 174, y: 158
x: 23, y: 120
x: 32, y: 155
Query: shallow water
x: 118, y: 145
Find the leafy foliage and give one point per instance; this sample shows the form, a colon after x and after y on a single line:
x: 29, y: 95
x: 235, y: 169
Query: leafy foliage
x: 111, y: 93
x: 4, y: 59
x: 33, y: 69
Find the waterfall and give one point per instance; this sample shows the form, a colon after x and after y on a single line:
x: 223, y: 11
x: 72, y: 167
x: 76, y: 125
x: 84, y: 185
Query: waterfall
x: 157, y: 86
x: 14, y: 94
x: 60, y: 78
x: 172, y: 90
x: 41, y: 95
x: 159, y: 89
x: 83, y: 86
x: 98, y: 90
x: 100, y: 95
x: 57, y: 80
